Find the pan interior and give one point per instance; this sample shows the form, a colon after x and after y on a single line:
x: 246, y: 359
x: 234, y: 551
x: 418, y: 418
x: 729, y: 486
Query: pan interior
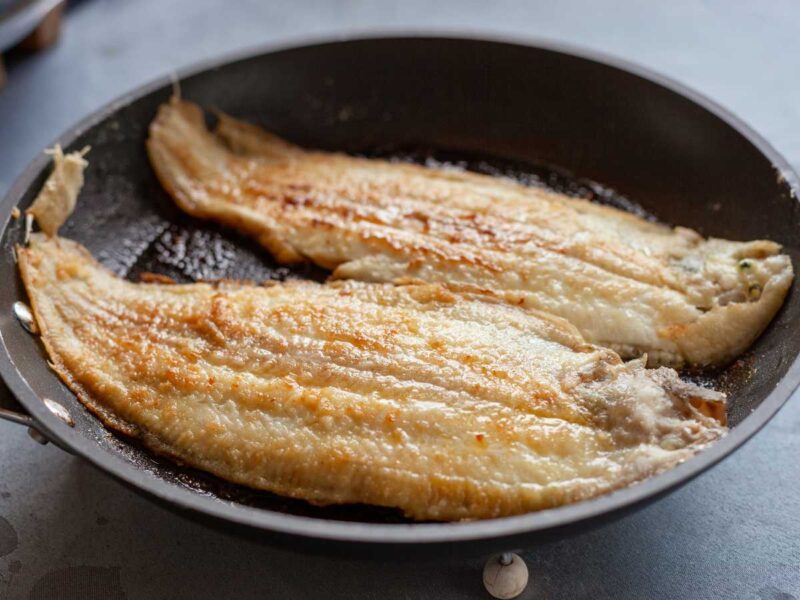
x: 726, y: 187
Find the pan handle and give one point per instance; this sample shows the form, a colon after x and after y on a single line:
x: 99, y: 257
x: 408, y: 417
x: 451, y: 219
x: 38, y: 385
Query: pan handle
x: 11, y: 410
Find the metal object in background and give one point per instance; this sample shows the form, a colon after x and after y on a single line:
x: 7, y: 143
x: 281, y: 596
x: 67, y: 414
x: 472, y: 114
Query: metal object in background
x: 20, y: 18
x: 685, y: 159
x: 35, y: 24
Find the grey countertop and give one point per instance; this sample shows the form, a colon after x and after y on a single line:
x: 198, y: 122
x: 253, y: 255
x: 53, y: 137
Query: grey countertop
x: 67, y: 531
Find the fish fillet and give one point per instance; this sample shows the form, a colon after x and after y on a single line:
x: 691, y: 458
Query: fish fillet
x: 444, y: 404
x: 625, y: 283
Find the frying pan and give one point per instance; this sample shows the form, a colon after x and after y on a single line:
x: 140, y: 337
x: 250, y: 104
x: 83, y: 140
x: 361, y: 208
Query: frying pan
x: 682, y: 158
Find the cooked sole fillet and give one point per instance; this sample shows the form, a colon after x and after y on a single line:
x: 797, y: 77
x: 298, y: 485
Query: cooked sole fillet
x: 447, y: 405
x: 625, y: 283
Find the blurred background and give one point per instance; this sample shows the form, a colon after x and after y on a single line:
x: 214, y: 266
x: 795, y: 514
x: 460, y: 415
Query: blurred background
x: 68, y: 532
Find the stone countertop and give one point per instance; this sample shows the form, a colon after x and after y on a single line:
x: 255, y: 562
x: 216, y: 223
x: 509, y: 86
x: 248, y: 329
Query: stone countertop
x: 67, y: 531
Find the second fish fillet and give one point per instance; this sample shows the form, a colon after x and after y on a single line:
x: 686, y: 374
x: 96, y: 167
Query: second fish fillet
x: 625, y: 283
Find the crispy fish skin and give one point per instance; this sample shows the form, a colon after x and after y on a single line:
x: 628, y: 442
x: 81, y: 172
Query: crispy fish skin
x: 447, y: 405
x: 57, y: 198
x: 625, y: 283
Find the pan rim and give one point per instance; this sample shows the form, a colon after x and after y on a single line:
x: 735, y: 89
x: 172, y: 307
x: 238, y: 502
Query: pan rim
x: 402, y: 533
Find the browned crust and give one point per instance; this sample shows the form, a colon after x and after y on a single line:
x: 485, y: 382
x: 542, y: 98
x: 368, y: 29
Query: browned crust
x: 106, y: 417
x: 57, y: 364
x: 148, y: 277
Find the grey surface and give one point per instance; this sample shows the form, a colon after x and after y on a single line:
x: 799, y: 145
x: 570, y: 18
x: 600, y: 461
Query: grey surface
x: 69, y: 532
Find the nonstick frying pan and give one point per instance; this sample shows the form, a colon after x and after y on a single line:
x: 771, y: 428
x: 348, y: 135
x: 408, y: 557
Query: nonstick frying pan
x: 680, y: 157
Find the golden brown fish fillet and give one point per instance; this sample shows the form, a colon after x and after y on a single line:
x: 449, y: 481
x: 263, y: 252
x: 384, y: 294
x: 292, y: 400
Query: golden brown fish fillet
x: 623, y: 282
x: 445, y: 405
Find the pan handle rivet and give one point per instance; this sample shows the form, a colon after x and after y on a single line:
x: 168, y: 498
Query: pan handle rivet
x: 505, y: 576
x: 25, y: 317
x: 59, y: 411
x: 37, y: 436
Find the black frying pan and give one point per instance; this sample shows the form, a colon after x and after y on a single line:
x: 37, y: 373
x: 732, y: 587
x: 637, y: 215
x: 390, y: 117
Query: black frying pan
x: 682, y: 158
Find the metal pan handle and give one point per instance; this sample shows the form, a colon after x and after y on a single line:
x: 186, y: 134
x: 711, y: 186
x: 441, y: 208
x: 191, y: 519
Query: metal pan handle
x: 11, y: 410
